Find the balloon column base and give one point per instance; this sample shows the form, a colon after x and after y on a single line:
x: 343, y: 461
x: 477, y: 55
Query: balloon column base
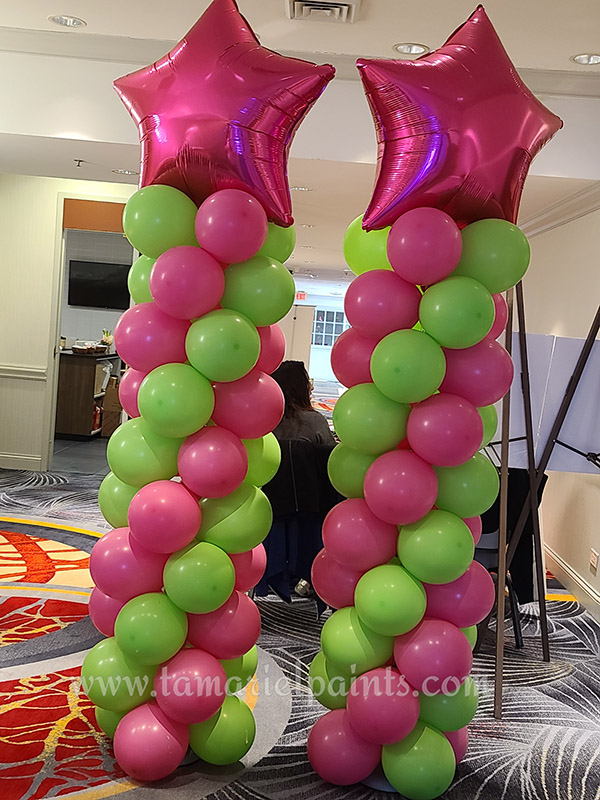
x: 189, y: 758
x: 379, y: 782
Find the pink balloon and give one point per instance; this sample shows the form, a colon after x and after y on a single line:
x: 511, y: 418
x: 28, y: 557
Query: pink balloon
x: 191, y: 686
x: 400, y: 487
x: 148, y: 745
x: 272, y: 348
x: 474, y: 524
x: 147, y: 338
x: 434, y: 657
x: 336, y: 751
x: 249, y: 567
x: 231, y: 225
x: 379, y: 302
x: 382, y: 706
x: 457, y: 129
x: 464, y: 602
x: 122, y: 568
x: 424, y: 246
x: 250, y: 407
x: 212, y: 462
x: 351, y: 358
x: 103, y: 611
x: 164, y: 516
x: 501, y: 317
x: 228, y: 632
x: 333, y: 582
x: 187, y: 282
x: 460, y: 741
x: 445, y: 430
x: 481, y: 374
x: 219, y: 110
x: 356, y: 538
x: 129, y: 386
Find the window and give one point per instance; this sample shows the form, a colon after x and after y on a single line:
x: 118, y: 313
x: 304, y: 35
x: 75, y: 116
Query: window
x: 327, y: 326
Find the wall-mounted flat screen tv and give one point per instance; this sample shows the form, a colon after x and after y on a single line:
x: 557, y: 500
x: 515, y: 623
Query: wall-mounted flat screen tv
x: 94, y: 284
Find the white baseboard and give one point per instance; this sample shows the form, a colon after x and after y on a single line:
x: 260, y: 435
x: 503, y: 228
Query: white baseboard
x: 18, y: 461
x: 587, y: 595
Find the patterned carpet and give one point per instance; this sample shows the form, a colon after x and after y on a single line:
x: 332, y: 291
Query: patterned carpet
x: 547, y: 747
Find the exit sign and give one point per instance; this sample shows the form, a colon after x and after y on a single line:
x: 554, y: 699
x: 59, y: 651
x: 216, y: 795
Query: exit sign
x: 300, y: 295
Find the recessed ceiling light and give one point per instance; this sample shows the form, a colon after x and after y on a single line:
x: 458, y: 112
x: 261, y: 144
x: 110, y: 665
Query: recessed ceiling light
x: 587, y: 59
x: 300, y: 189
x: 410, y: 49
x: 67, y: 21
x: 124, y: 172
x: 304, y: 225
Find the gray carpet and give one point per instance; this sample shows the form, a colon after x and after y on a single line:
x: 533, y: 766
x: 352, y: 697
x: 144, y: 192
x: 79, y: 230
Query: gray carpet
x: 547, y: 746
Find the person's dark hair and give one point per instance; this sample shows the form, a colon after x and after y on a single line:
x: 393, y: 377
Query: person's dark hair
x: 294, y: 381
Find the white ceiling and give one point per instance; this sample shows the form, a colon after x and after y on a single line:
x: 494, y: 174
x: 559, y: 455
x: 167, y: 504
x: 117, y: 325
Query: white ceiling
x: 57, y: 102
x: 539, y: 34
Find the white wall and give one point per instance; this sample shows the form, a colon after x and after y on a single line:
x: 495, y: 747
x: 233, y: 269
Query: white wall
x: 30, y: 232
x: 320, y: 357
x: 112, y: 248
x: 562, y: 291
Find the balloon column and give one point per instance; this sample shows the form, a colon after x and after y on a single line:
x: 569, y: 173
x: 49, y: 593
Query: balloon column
x: 216, y: 119
x: 423, y: 370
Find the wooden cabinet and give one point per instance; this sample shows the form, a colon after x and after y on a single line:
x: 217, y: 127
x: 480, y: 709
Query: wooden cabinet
x: 79, y: 385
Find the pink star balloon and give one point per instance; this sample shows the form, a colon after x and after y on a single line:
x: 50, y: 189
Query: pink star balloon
x: 457, y: 129
x: 219, y: 111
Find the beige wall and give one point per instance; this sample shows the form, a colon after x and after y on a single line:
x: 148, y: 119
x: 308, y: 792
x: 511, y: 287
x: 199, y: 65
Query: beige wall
x: 562, y: 292
x: 30, y: 266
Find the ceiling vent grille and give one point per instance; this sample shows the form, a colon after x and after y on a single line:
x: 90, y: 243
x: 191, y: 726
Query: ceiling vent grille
x: 323, y: 10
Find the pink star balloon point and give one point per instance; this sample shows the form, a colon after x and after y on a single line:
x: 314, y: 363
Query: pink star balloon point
x: 219, y: 111
x: 457, y: 129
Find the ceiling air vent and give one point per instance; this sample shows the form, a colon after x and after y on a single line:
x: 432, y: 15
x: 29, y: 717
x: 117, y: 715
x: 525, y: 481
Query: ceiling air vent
x: 323, y: 10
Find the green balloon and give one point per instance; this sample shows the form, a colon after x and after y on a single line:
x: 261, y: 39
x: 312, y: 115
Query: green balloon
x: 352, y: 647
x: 438, y: 548
x: 421, y: 766
x: 157, y: 218
x: 138, y: 280
x: 199, y: 578
x: 457, y: 312
x: 264, y: 457
x: 471, y: 634
x: 237, y: 522
x: 138, y: 455
x: 112, y: 680
x: 222, y: 345
x: 407, y: 366
x: 469, y: 489
x: 226, y: 737
x: 176, y: 400
x: 261, y: 288
x: 114, y: 498
x: 347, y: 469
x: 451, y: 711
x: 494, y: 252
x: 108, y: 720
x: 240, y: 671
x: 489, y: 417
x: 150, y: 628
x: 280, y: 242
x: 389, y: 600
x: 364, y: 250
x: 367, y: 421
x: 329, y: 685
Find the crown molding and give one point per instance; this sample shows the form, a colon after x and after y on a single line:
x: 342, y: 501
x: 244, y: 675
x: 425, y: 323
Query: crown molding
x: 564, y: 211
